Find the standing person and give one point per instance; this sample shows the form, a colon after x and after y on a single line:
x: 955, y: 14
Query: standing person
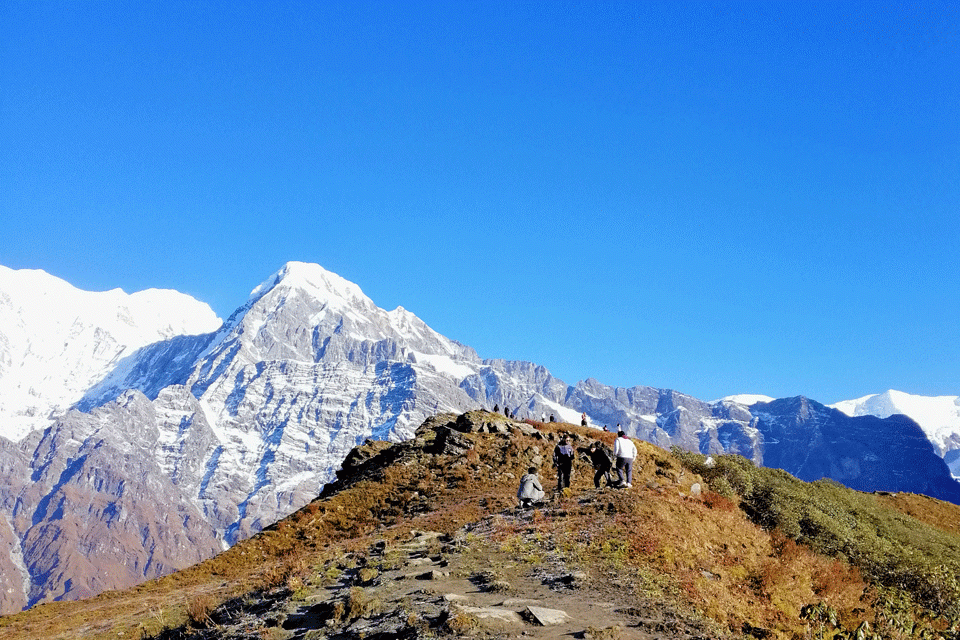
x: 583, y: 419
x: 543, y: 417
x: 563, y: 461
x: 626, y: 453
x: 601, y: 463
x: 530, y: 490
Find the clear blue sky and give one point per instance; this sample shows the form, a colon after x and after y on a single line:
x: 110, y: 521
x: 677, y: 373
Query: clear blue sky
x: 713, y: 197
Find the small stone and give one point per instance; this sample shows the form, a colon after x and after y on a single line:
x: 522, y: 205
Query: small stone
x: 545, y: 617
x: 433, y: 575
x: 516, y: 603
x: 575, y: 578
x: 489, y: 613
x: 454, y: 597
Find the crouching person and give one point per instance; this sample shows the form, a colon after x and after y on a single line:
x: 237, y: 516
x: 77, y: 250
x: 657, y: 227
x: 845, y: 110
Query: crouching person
x: 530, y: 490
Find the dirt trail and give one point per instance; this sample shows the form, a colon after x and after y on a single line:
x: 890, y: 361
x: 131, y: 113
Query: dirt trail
x: 430, y: 585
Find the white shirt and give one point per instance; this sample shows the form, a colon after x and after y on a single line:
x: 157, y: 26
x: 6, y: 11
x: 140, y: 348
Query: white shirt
x: 624, y: 448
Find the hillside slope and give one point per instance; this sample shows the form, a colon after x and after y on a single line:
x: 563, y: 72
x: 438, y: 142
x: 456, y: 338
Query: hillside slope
x: 670, y: 558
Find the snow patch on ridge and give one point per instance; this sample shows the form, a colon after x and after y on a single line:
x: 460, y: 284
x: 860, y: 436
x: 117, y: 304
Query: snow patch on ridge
x: 746, y: 399
x: 446, y: 365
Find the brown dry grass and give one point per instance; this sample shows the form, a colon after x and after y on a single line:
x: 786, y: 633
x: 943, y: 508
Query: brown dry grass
x: 936, y: 513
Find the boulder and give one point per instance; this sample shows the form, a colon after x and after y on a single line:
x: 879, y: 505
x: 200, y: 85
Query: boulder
x: 545, y: 617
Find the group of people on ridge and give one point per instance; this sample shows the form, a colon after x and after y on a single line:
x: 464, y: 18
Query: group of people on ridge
x: 624, y: 450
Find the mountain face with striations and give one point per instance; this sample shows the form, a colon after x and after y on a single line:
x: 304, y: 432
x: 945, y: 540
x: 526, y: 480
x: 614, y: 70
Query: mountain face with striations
x: 178, y: 446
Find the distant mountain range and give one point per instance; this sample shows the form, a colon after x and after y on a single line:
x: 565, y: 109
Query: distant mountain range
x: 138, y: 434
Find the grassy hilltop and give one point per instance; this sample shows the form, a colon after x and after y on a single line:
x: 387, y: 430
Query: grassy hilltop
x: 423, y: 539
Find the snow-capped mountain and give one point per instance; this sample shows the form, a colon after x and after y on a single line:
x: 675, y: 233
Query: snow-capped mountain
x: 56, y: 340
x: 938, y: 416
x: 747, y: 399
x: 189, y: 443
x: 232, y: 429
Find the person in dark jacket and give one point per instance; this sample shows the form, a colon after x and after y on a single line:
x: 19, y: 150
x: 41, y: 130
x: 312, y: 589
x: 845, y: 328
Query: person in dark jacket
x: 601, y: 463
x: 563, y: 461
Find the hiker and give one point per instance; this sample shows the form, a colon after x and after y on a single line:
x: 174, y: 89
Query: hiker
x: 626, y: 453
x: 496, y: 408
x: 552, y: 419
x: 530, y: 490
x: 563, y: 461
x: 583, y: 419
x: 543, y: 417
x: 601, y: 463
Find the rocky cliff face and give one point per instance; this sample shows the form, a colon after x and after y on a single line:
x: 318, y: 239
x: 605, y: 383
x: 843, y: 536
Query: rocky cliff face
x: 866, y: 453
x: 195, y: 442
x: 93, y: 508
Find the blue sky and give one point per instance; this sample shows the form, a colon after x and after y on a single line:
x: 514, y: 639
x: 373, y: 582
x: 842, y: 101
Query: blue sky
x: 713, y: 197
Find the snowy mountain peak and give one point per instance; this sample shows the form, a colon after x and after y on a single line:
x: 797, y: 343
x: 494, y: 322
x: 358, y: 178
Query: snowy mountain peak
x: 938, y: 416
x: 230, y: 430
x: 56, y: 340
x: 320, y: 284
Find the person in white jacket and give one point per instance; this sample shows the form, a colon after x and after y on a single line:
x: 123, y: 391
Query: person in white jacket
x: 626, y: 453
x: 530, y: 490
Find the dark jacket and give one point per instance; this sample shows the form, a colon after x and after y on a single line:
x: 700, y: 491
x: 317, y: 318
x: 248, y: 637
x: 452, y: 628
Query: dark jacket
x: 563, y: 455
x: 599, y: 459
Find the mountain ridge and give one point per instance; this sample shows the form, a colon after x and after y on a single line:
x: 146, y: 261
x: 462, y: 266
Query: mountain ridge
x: 938, y: 416
x: 242, y: 425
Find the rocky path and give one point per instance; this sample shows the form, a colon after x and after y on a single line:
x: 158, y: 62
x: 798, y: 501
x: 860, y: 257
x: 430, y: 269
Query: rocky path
x: 431, y: 585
